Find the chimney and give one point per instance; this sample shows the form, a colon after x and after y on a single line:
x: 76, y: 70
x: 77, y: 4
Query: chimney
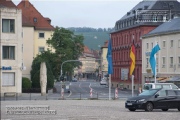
x: 26, y: 3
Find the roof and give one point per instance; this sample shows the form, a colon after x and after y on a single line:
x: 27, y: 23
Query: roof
x: 105, y: 44
x: 7, y: 3
x: 33, y: 17
x: 26, y: 22
x: 167, y: 27
x: 86, y: 50
x: 146, y: 5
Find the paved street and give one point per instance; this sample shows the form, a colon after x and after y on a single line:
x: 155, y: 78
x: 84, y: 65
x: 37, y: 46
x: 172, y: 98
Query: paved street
x: 86, y: 110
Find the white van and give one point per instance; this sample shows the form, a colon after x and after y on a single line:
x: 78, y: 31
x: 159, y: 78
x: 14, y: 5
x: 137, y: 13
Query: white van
x: 148, y: 86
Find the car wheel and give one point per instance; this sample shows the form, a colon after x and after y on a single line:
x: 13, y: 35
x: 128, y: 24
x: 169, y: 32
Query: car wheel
x: 149, y: 106
x: 164, y: 109
x: 179, y: 108
x: 131, y: 109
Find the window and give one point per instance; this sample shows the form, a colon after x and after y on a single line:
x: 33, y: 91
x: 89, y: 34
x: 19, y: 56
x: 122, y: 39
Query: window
x: 171, y: 93
x: 171, y: 43
x: 152, y: 45
x: 41, y: 49
x: 9, y: 52
x: 8, y: 79
x: 8, y: 25
x: 147, y: 45
x: 163, y: 61
x: 35, y: 19
x: 164, y: 44
x: 171, y: 62
x: 147, y: 62
x: 41, y: 35
x: 162, y: 93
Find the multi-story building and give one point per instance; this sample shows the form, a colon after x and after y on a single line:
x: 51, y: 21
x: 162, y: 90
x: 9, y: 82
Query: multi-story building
x: 167, y: 36
x: 128, y: 31
x: 36, y: 30
x: 104, y: 63
x: 11, y: 48
x: 89, y: 64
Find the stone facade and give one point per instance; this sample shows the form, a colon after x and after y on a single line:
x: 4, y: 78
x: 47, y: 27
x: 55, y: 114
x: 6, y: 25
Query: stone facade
x: 11, y: 50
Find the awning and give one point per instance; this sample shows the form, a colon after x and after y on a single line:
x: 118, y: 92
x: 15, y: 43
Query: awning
x: 163, y: 79
x: 174, y: 79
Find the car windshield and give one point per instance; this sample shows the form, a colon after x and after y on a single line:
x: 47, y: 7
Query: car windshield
x: 147, y: 86
x: 148, y: 92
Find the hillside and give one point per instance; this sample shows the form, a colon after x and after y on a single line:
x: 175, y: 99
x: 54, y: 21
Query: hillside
x: 93, y: 38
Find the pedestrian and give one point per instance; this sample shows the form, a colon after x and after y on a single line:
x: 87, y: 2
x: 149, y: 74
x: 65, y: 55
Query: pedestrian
x: 140, y: 90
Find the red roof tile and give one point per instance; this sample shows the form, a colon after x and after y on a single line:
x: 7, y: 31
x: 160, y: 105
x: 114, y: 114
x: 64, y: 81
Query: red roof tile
x: 26, y: 22
x: 7, y: 3
x: 105, y: 44
x: 86, y: 50
x: 31, y: 14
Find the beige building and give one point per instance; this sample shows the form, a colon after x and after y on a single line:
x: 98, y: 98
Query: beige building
x: 167, y: 36
x: 28, y: 46
x: 89, y: 65
x: 11, y: 48
x: 104, y: 63
x: 36, y: 30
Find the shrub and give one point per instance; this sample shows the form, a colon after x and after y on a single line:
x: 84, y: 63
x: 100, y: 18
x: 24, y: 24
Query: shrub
x: 26, y: 83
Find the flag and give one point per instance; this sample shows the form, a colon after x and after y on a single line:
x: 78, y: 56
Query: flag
x: 109, y: 58
x: 152, y: 59
x: 132, y: 56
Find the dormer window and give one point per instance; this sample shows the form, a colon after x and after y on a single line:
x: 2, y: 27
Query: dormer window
x: 128, y: 13
x: 35, y: 19
x: 146, y: 7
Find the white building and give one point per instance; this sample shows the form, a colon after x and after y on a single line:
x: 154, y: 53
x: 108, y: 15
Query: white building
x: 167, y: 36
x: 11, y: 49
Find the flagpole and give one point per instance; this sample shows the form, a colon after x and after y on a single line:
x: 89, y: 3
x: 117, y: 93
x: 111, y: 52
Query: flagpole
x: 155, y: 64
x: 155, y: 70
x: 109, y: 86
x: 132, y: 79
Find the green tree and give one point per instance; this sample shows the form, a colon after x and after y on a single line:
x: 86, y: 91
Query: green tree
x: 26, y: 83
x: 67, y: 47
x: 47, y: 57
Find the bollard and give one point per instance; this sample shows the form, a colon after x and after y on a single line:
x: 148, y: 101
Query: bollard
x: 116, y: 93
x: 91, y: 92
x: 62, y: 93
x: 4, y: 96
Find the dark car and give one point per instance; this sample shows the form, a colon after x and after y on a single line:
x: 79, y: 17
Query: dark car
x: 155, y: 99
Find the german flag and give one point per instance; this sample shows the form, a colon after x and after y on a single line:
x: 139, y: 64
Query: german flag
x: 132, y: 56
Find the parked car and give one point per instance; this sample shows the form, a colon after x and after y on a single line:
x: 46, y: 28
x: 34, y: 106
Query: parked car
x: 155, y: 99
x: 103, y: 81
x: 148, y: 86
x: 74, y: 80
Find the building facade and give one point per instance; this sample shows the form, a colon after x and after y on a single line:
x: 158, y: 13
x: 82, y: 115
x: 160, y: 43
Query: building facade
x: 11, y: 48
x: 89, y: 65
x: 167, y: 36
x: 128, y: 31
x: 104, y: 63
x: 36, y: 30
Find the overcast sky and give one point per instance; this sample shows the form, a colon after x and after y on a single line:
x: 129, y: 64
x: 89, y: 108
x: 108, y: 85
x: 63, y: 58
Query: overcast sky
x: 83, y: 13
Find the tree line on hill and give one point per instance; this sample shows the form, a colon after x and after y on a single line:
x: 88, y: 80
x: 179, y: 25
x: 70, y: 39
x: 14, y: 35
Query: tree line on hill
x: 89, y: 29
